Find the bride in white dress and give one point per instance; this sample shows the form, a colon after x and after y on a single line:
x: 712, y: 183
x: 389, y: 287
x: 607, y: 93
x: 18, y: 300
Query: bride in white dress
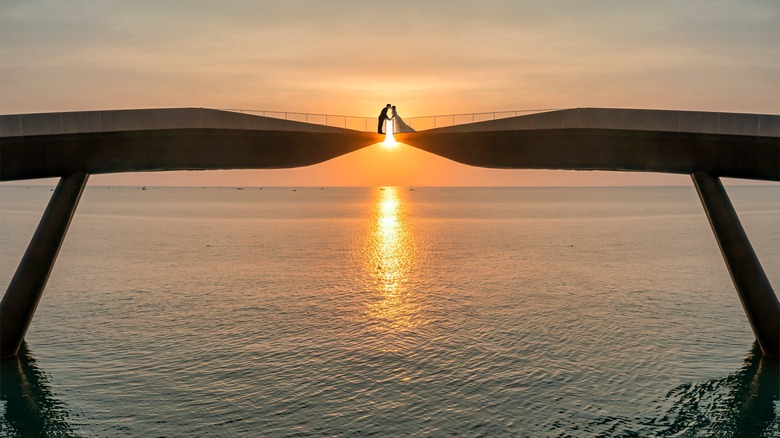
x: 398, y: 123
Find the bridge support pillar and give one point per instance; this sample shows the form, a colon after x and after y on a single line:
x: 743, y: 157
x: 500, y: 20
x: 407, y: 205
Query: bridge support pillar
x: 26, y: 287
x: 754, y: 290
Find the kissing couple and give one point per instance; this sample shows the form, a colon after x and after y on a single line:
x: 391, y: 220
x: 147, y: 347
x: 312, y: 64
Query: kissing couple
x: 394, y: 121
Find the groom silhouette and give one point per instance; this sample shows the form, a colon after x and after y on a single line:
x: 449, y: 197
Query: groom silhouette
x: 382, y: 118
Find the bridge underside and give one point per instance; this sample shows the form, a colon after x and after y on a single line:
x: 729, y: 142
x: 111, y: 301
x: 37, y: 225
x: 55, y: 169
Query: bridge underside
x: 74, y: 145
x: 172, y: 149
x: 734, y: 156
x: 58, y: 144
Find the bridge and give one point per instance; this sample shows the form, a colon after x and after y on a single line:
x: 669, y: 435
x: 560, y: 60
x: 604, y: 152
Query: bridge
x: 74, y: 145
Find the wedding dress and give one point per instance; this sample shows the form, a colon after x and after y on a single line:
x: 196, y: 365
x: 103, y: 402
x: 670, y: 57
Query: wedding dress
x: 399, y: 125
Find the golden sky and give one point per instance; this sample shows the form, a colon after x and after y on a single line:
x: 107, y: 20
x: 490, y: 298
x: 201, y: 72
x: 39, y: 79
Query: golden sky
x: 352, y: 57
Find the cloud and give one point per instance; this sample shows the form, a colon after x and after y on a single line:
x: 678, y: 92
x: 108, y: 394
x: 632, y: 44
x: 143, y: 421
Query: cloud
x: 450, y: 56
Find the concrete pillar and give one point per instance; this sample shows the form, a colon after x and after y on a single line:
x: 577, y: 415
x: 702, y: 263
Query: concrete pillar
x: 24, y: 292
x: 755, y: 291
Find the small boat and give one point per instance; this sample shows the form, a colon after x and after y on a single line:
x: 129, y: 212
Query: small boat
x: 143, y: 188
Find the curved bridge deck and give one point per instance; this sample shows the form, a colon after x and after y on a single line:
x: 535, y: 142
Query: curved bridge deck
x: 720, y: 144
x: 76, y: 144
x: 57, y: 144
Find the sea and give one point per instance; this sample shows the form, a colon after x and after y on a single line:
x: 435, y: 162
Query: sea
x: 390, y: 311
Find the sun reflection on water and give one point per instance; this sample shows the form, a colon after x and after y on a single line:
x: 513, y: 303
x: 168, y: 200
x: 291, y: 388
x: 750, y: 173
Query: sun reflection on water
x: 390, y: 258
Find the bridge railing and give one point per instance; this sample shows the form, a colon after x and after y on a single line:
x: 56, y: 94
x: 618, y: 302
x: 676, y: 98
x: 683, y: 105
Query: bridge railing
x: 368, y: 124
x: 357, y: 123
x: 420, y: 123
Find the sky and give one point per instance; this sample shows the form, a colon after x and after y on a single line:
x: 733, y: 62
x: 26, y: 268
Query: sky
x: 427, y: 57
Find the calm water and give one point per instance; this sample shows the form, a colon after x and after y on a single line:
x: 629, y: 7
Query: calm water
x: 471, y: 312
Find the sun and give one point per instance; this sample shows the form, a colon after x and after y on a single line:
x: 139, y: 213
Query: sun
x: 389, y: 142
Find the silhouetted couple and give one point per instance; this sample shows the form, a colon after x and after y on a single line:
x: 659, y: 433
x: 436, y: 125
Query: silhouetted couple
x: 397, y: 124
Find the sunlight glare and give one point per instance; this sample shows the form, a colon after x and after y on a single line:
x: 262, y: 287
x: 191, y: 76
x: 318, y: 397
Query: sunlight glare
x: 389, y: 142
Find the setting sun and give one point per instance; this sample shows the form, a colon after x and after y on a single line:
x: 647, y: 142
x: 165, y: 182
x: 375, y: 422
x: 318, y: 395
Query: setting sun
x: 389, y: 142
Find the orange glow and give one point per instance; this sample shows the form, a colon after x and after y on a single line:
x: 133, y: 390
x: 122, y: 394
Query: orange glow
x: 390, y: 257
x: 389, y: 142
x: 376, y: 166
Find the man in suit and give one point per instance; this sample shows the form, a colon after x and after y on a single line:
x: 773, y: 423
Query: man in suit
x: 382, y: 118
